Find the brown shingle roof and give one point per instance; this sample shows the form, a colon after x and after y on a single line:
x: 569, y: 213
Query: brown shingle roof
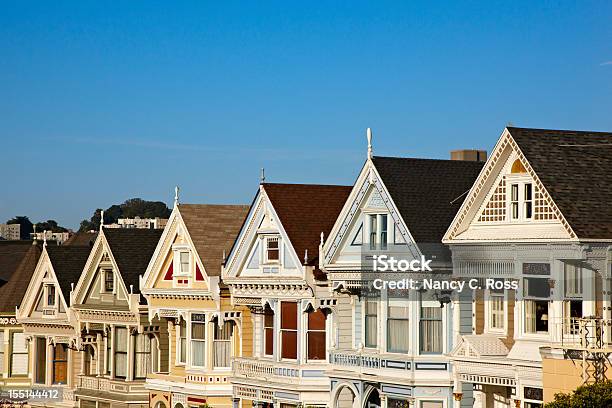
x: 11, y: 255
x: 576, y: 169
x: 132, y: 249
x: 427, y: 192
x: 11, y: 292
x: 82, y: 239
x: 68, y: 263
x: 213, y: 229
x: 306, y: 210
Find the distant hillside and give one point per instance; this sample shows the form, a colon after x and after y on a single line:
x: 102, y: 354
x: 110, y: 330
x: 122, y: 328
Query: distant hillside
x: 129, y: 209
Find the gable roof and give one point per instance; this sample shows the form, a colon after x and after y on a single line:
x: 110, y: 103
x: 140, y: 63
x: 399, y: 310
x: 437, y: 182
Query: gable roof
x: 82, y: 239
x: 17, y: 264
x: 306, y: 210
x: 132, y: 249
x: 427, y: 192
x: 213, y: 229
x: 576, y: 170
x: 68, y: 263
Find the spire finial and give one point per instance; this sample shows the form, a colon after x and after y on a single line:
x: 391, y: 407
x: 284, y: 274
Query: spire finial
x: 224, y: 256
x: 101, y: 219
x: 262, y: 177
x: 322, y: 238
x: 369, y: 136
x: 45, y: 238
x: 306, y: 256
x: 176, y: 195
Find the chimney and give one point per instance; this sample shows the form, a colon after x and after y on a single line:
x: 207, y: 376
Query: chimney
x: 469, y: 155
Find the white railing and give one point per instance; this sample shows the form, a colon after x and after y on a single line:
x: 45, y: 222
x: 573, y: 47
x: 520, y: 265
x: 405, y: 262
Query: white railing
x: 354, y: 359
x: 272, y: 370
x: 109, y: 385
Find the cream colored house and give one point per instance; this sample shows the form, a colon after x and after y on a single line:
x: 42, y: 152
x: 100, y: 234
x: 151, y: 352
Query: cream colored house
x: 204, y: 332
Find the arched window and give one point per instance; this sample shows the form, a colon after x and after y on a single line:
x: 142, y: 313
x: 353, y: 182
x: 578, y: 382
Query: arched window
x: 517, y: 167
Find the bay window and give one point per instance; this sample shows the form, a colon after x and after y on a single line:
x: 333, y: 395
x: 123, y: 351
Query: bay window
x: 222, y: 347
x: 19, y: 354
x: 289, y: 319
x: 536, y: 294
x: 40, y: 368
x: 60, y: 364
x: 142, y: 356
x: 315, y: 336
x: 198, y: 340
x: 431, y: 327
x: 397, y: 322
x: 268, y: 331
x: 121, y: 345
x: 371, y: 321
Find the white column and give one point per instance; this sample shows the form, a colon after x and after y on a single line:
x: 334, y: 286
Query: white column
x: 50, y: 357
x: 130, y: 354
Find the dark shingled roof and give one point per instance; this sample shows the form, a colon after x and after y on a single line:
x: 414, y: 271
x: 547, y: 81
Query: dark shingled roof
x: 82, y: 239
x: 68, y: 263
x: 427, y: 192
x: 306, y: 210
x: 213, y: 229
x: 17, y: 264
x: 576, y: 169
x: 132, y: 249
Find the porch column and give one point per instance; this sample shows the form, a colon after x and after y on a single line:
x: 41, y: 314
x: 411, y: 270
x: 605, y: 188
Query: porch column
x: 130, y: 354
x: 99, y: 354
x: 384, y: 401
x: 50, y: 358
x: 82, y: 365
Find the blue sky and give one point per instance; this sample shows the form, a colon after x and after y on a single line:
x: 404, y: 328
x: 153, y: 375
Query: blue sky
x: 104, y: 101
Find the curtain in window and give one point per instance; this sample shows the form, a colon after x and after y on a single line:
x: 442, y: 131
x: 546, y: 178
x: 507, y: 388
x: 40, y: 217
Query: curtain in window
x: 223, y: 344
x: 183, y: 342
x: 530, y: 316
x: 431, y: 329
x: 289, y: 330
x: 316, y: 335
x: 60, y: 364
x: 142, y: 356
x: 198, y: 343
x: 497, y: 312
x: 397, y: 326
x: 121, y: 342
x: 19, y: 354
x: 371, y: 322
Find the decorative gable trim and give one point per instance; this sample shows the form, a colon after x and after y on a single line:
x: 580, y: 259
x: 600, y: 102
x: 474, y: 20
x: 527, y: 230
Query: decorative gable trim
x: 463, y: 217
x: 368, y: 177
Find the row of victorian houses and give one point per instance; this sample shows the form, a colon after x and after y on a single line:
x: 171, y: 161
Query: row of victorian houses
x: 268, y: 305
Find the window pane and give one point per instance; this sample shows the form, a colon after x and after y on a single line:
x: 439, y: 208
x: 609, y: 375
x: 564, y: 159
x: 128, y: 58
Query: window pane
x: 198, y: 331
x: 121, y: 336
x: 198, y: 352
x: 60, y: 364
x: 431, y: 329
x: 184, y: 257
x: 269, y: 346
x: 316, y: 320
x: 371, y: 323
x: 41, y: 360
x: 289, y: 315
x: 316, y: 345
x: 289, y: 343
x: 536, y: 287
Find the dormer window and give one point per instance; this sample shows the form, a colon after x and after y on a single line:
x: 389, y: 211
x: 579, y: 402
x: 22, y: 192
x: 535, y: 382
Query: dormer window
x: 272, y: 249
x: 521, y: 193
x: 184, y: 263
x: 50, y: 295
x: 109, y: 281
x: 378, y: 231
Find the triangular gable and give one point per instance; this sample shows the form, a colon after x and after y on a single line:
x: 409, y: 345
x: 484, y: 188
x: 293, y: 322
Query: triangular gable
x: 369, y: 195
x: 89, y: 289
x: 247, y: 259
x: 34, y: 304
x: 163, y: 271
x: 479, y: 346
x: 487, y: 205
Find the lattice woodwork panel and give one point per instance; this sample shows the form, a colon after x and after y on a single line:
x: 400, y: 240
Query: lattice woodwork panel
x: 495, y: 209
x: 542, y: 210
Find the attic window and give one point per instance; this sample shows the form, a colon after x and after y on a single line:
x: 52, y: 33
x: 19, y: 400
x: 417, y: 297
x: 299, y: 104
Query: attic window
x: 272, y: 249
x: 50, y: 295
x: 109, y: 281
x: 184, y: 262
x: 517, y: 167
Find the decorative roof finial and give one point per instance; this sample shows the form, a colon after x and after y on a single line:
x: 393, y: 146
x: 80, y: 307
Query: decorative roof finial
x: 369, y: 136
x: 176, y: 195
x: 306, y: 256
x: 101, y: 219
x: 262, y: 177
x: 224, y: 256
x: 322, y: 238
x: 45, y: 238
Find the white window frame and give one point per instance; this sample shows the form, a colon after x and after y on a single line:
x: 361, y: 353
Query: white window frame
x: 267, y: 239
x: 524, y: 299
x: 377, y: 235
x: 379, y: 336
x: 490, y: 295
x: 105, y: 272
x: 190, y: 340
x: 179, y: 347
x: 521, y: 181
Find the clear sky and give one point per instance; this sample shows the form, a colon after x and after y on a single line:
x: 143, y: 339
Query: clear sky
x: 104, y: 101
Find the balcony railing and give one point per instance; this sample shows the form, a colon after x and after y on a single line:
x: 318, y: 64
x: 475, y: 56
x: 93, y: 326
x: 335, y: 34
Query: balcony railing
x: 109, y: 385
x: 582, y: 333
x: 280, y: 371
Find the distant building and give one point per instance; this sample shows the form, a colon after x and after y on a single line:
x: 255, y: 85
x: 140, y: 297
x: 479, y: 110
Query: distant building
x: 10, y: 231
x: 139, y: 223
x: 59, y: 237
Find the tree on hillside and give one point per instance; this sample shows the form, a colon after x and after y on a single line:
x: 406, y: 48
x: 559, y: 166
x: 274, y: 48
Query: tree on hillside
x: 49, y: 225
x: 587, y: 396
x: 134, y: 207
x: 26, y: 226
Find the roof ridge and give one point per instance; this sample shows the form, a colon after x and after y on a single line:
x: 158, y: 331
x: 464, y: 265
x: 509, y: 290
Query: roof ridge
x: 426, y: 159
x: 585, y: 132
